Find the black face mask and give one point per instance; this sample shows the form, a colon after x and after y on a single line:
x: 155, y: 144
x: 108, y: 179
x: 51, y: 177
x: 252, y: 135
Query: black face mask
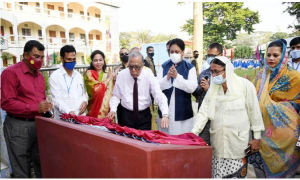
x: 196, y: 56
x: 124, y: 58
x: 151, y: 54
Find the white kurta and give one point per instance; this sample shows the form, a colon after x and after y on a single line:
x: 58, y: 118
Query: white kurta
x: 188, y: 85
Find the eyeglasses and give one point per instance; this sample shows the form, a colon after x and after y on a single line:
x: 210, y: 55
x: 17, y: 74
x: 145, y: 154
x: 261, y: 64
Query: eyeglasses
x: 124, y: 54
x: 216, y: 72
x: 134, y: 67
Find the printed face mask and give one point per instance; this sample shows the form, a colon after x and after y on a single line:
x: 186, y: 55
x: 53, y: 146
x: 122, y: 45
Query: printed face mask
x: 36, y: 64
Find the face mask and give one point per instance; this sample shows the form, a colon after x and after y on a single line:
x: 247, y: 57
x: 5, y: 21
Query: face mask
x: 175, y: 58
x: 295, y: 54
x: 219, y: 79
x: 34, y: 63
x: 196, y: 56
x: 124, y: 59
x: 209, y: 59
x: 69, y: 65
x: 151, y: 54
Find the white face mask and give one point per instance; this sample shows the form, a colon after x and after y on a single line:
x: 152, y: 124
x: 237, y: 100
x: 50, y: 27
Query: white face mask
x: 295, y: 54
x: 175, y: 58
x: 209, y: 59
x: 219, y: 79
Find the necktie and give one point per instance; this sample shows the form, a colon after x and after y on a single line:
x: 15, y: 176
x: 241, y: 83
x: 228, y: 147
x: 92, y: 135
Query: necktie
x: 135, y: 101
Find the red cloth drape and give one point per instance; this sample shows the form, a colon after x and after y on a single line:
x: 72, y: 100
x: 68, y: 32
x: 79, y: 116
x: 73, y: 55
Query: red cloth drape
x: 150, y: 135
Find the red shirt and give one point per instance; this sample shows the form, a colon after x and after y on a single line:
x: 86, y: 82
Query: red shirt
x: 21, y: 92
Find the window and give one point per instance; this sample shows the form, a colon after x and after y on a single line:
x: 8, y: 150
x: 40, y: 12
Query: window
x: 98, y: 37
x: 81, y: 13
x: 49, y: 6
x: 61, y: 9
x: 71, y: 35
x: 91, y: 37
x: 24, y: 3
x: 97, y: 15
x: 37, y: 4
x: 70, y: 11
x: 82, y: 36
x: 40, y: 33
x: 2, y: 31
x: 26, y: 32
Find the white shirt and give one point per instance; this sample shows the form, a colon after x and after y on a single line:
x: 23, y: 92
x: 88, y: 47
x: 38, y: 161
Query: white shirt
x: 188, y: 85
x: 232, y: 122
x: 295, y: 66
x: 205, y: 66
x: 66, y: 101
x: 147, y: 84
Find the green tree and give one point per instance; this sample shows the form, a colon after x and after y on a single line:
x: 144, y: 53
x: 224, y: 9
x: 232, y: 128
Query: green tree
x: 279, y: 35
x: 125, y: 39
x: 223, y: 20
x: 245, y: 39
x: 163, y: 37
x: 143, y: 36
x: 243, y: 52
x: 293, y: 8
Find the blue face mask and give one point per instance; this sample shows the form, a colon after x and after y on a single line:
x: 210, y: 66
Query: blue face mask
x: 70, y: 65
x: 209, y: 59
x: 219, y: 79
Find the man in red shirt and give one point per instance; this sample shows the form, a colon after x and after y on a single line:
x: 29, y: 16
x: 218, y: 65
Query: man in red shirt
x: 23, y: 97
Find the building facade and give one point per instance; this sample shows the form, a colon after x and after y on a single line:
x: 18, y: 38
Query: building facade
x: 85, y: 25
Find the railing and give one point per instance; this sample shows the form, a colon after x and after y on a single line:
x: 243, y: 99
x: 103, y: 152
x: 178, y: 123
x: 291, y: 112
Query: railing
x: 76, y: 16
x: 95, y: 42
x: 27, y: 9
x: 54, y: 13
x: 77, y: 41
x: 80, y: 68
x: 56, y: 41
x: 94, y: 19
x: 28, y: 38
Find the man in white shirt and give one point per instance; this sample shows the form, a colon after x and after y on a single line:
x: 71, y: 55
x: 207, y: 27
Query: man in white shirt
x: 295, y: 54
x: 133, y: 87
x: 66, y: 86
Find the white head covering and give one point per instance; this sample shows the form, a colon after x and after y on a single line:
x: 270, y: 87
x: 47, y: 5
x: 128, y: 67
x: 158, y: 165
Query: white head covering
x: 234, y: 88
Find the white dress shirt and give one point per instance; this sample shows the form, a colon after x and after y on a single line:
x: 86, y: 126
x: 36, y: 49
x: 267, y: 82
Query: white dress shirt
x: 295, y: 66
x: 147, y: 84
x: 232, y: 122
x: 188, y: 85
x: 68, y: 93
x: 205, y: 66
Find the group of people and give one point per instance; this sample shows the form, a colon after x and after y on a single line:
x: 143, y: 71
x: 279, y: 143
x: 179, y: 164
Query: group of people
x: 231, y: 109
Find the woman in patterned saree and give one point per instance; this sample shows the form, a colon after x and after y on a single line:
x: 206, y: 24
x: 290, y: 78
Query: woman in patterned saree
x: 278, y: 87
x: 99, y: 85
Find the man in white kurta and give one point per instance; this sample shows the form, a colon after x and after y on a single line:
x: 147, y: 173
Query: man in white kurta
x: 178, y: 89
x: 232, y: 106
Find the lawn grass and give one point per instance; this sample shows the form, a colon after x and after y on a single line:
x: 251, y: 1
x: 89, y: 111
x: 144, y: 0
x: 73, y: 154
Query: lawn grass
x: 242, y: 72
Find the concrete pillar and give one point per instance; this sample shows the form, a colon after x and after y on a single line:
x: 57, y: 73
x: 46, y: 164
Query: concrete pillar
x: 44, y: 35
x: 66, y: 9
x: 42, y: 7
x: 67, y: 36
x: 13, y: 6
x: 85, y: 13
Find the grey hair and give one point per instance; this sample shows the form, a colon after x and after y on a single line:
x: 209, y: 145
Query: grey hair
x: 134, y: 49
x: 136, y: 54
